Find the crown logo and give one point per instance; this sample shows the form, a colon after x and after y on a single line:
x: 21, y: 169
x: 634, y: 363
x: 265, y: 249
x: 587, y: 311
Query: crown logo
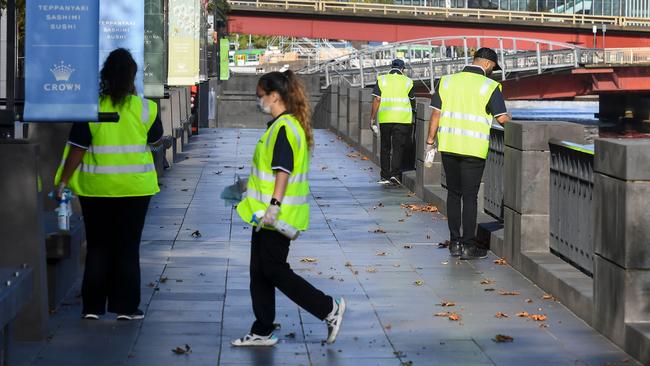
x: 62, y: 72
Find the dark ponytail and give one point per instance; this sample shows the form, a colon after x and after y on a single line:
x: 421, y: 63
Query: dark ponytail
x: 118, y: 76
x: 293, y: 94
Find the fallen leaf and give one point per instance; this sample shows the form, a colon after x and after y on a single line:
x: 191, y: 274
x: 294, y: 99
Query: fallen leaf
x: 381, y: 254
x: 538, y: 317
x: 444, y: 244
x: 378, y: 231
x: 331, y: 278
x: 502, y: 338
x: 151, y: 284
x: 419, y: 283
x: 419, y: 208
x: 371, y: 269
x: 530, y: 301
x: 487, y: 282
x: 401, y: 220
x: 442, y: 314
x: 543, y: 325
x: 196, y: 234
x: 364, y: 158
x: 488, y: 290
x: 454, y: 317
x: 445, y: 262
x: 548, y: 297
x: 447, y: 304
x: 501, y: 315
x: 428, y: 236
x: 348, y: 264
x: 523, y: 314
x: 308, y: 260
x: 500, y: 261
x: 388, y: 326
x: 508, y: 293
x: 396, y: 265
x: 182, y: 350
x: 290, y: 335
x: 408, y: 246
x: 410, y: 194
x: 163, y: 279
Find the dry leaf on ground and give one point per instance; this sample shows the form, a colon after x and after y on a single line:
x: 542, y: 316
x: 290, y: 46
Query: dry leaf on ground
x: 537, y: 317
x: 488, y: 290
x: 501, y: 315
x: 308, y: 260
x: 407, y: 246
x: 419, y: 283
x: 487, y: 282
x: 502, y: 338
x: 548, y: 297
x: 419, y: 208
x: 348, y: 264
x: 443, y: 314
x: 381, y: 254
x: 500, y: 261
x: 530, y: 301
x: 379, y: 231
x: 182, y: 350
x: 447, y: 304
x: 443, y: 245
x: 388, y: 326
x: 543, y: 325
x: 371, y: 269
x: 509, y: 293
x: 523, y: 314
x: 454, y: 317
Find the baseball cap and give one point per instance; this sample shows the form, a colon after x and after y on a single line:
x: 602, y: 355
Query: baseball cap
x: 488, y: 54
x: 397, y: 64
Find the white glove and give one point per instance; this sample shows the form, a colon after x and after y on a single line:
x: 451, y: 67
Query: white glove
x: 271, y: 215
x: 374, y: 127
x: 429, y: 154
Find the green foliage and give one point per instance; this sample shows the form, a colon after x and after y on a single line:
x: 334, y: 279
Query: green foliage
x: 256, y: 41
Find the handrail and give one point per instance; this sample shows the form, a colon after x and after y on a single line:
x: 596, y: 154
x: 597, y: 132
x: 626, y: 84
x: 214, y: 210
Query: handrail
x: 416, y: 10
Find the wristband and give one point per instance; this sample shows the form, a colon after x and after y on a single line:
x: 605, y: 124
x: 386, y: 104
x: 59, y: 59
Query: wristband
x: 275, y: 202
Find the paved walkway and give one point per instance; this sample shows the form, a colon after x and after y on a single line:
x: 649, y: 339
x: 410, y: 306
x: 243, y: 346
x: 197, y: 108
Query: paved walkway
x: 382, y: 258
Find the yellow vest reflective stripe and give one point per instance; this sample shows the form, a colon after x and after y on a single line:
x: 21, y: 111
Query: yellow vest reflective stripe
x: 261, y: 182
x: 118, y: 163
x: 465, y: 124
x: 394, y: 106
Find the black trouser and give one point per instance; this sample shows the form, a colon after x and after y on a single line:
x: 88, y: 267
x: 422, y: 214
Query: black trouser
x: 463, y: 175
x: 269, y: 269
x: 113, y: 231
x: 395, y: 136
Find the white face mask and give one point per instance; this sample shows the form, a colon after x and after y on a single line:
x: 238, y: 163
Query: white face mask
x: 264, y: 108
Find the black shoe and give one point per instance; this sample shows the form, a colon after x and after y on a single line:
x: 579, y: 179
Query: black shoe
x: 473, y: 252
x: 395, y: 181
x: 455, y: 249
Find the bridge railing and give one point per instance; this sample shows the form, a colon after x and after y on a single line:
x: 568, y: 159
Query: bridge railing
x: 571, y: 216
x: 493, y: 177
x: 443, y: 12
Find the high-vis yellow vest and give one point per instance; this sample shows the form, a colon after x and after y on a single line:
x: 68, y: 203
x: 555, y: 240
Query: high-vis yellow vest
x: 395, y: 105
x: 118, y: 163
x: 465, y: 124
x: 261, y: 182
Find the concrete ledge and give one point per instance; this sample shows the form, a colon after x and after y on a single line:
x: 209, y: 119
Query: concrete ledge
x: 571, y: 287
x: 408, y: 180
x: 638, y: 341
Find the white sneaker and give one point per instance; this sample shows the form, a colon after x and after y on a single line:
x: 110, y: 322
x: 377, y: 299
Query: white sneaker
x: 334, y: 321
x: 383, y: 181
x: 90, y: 316
x: 254, y: 340
x: 138, y: 315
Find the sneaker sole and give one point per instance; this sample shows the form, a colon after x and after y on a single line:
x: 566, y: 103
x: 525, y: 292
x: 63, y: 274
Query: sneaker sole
x: 332, y: 338
x: 267, y: 343
x: 129, y: 317
x: 90, y: 317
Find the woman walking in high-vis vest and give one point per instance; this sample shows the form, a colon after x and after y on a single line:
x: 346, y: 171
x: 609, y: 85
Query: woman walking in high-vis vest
x: 110, y: 167
x: 276, y: 204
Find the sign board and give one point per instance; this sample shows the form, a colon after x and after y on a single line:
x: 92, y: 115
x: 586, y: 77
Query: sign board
x: 154, y: 48
x: 184, y: 42
x: 61, y: 75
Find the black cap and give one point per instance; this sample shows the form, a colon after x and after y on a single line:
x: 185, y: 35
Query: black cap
x: 488, y: 54
x: 397, y: 64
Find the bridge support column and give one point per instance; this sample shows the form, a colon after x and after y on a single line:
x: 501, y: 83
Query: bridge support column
x: 633, y: 107
x: 622, y: 255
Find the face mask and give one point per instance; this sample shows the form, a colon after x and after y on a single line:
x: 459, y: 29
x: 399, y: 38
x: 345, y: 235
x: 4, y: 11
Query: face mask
x: 264, y: 108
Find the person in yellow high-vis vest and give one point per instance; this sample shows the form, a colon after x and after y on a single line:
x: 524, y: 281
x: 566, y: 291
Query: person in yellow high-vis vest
x: 464, y: 106
x: 276, y: 204
x: 110, y: 167
x: 392, y: 110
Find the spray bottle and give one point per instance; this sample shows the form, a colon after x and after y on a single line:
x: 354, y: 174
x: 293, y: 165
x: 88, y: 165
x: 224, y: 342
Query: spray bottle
x: 281, y: 226
x: 63, y: 211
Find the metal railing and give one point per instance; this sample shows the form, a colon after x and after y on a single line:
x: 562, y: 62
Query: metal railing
x: 571, y: 203
x: 438, y: 12
x: 493, y: 177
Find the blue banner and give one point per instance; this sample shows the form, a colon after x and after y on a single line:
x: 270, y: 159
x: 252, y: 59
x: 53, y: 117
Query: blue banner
x: 121, y: 25
x: 61, y: 76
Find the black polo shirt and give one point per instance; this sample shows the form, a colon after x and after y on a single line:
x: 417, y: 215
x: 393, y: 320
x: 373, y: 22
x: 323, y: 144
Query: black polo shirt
x: 496, y: 106
x: 282, y: 151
